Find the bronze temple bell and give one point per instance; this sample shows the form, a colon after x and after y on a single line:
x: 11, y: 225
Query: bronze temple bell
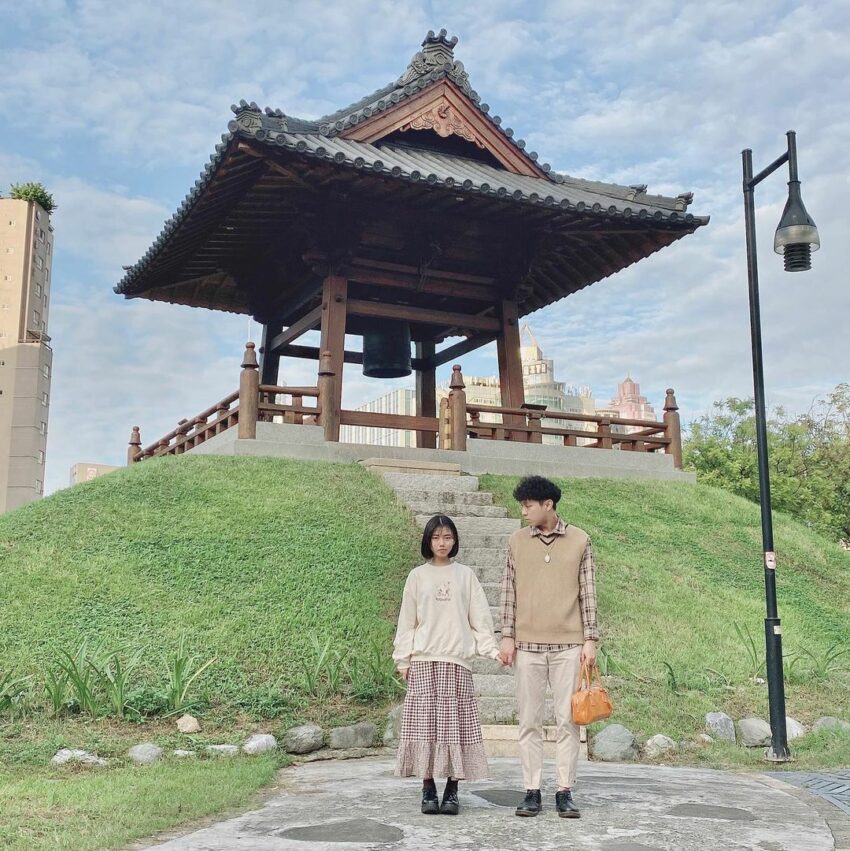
x: 386, y: 350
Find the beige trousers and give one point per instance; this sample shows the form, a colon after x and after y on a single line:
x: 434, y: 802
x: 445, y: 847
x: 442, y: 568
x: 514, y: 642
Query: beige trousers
x: 561, y: 669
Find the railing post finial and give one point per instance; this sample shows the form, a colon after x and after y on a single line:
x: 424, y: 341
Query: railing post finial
x: 456, y: 382
x: 134, y: 449
x: 249, y: 394
x: 673, y: 428
x: 457, y: 410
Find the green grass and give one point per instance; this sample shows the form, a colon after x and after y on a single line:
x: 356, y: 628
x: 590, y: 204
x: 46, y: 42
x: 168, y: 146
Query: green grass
x: 77, y: 809
x: 251, y: 560
x: 678, y: 566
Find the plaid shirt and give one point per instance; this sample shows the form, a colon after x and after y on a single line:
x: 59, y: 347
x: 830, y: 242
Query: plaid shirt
x: 586, y: 594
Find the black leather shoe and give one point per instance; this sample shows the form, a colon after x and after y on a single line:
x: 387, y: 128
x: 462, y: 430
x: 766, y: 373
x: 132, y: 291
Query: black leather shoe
x: 565, y: 805
x: 450, y: 805
x: 531, y: 803
x: 430, y: 801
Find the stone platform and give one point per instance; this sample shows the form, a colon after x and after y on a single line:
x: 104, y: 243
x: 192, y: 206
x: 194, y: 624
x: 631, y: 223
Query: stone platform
x: 359, y: 805
x: 304, y: 442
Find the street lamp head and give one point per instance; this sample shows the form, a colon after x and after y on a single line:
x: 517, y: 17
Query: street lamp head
x: 797, y: 236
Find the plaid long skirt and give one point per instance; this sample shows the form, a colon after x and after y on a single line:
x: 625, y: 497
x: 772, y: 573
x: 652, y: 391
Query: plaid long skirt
x: 440, y: 727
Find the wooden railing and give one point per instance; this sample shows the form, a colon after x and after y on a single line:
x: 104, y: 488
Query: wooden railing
x: 460, y: 421
x: 456, y: 423
x: 251, y: 403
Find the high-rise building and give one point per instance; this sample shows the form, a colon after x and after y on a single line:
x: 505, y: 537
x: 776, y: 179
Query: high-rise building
x: 26, y: 359
x: 629, y: 404
x: 401, y: 401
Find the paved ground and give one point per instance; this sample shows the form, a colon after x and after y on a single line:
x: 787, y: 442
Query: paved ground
x: 359, y: 805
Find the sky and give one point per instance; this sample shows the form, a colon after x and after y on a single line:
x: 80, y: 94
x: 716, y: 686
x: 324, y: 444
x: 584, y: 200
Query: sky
x: 117, y: 107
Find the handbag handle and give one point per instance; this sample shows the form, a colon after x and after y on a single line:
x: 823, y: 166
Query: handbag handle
x: 588, y: 674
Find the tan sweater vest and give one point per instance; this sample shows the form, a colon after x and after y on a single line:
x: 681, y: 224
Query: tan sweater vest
x: 547, y: 595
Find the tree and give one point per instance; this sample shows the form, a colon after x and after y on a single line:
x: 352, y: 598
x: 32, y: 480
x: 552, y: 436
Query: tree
x: 33, y: 192
x: 809, y: 458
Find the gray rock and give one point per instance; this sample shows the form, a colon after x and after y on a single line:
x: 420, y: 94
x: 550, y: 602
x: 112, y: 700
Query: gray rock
x: 658, y: 744
x: 615, y: 744
x: 222, y: 750
x: 830, y: 722
x: 754, y: 732
x: 392, y: 733
x: 303, y: 739
x: 260, y: 743
x: 66, y: 755
x: 704, y: 739
x: 794, y: 729
x: 145, y: 753
x: 188, y: 724
x: 355, y: 736
x: 720, y: 726
x: 182, y: 754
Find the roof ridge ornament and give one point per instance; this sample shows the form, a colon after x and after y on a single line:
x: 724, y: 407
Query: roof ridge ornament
x: 437, y: 54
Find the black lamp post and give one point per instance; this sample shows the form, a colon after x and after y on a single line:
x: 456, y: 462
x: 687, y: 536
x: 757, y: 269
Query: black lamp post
x: 796, y: 238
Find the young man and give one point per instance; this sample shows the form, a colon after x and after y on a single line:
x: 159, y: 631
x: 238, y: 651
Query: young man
x: 548, y: 630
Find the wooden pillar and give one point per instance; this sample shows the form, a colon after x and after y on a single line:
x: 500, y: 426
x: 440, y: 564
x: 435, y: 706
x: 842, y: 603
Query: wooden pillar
x: 249, y: 394
x: 334, y: 294
x: 510, y: 364
x: 269, y: 361
x: 426, y: 393
x: 673, y: 428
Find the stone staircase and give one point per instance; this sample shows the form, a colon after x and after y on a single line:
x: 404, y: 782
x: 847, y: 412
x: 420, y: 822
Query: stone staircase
x: 484, y: 530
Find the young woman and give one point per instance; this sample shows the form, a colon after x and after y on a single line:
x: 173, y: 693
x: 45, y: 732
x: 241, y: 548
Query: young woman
x: 443, y: 624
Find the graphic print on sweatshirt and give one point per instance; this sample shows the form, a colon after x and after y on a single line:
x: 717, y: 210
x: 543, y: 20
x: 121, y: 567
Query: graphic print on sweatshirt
x: 444, y: 591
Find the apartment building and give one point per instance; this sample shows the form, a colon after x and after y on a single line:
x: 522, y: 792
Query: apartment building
x: 26, y: 359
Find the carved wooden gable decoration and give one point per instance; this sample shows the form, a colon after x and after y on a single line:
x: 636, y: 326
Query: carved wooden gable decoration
x: 446, y: 107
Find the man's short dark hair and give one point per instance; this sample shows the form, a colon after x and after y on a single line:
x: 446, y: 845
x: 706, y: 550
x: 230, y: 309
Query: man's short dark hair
x: 538, y: 489
x: 431, y: 526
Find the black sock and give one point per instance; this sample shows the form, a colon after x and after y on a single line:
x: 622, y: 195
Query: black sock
x: 451, y: 785
x: 428, y: 783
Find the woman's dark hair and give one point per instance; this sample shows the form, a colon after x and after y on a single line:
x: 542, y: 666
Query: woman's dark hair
x: 431, y: 526
x: 538, y: 489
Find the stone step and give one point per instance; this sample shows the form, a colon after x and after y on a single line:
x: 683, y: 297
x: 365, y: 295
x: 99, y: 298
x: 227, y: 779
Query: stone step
x: 495, y: 685
x: 479, y: 525
x: 408, y: 481
x: 480, y: 665
x: 502, y: 710
x: 436, y: 496
x: 502, y: 740
x: 493, y: 591
x: 482, y: 556
x: 489, y: 573
x: 457, y: 511
x: 401, y: 465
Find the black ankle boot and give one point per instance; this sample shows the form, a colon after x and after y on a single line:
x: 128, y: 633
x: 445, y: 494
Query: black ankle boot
x: 531, y: 803
x: 565, y: 805
x: 450, y: 805
x: 430, y: 801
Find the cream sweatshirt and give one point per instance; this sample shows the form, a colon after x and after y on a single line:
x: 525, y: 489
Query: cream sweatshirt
x: 444, y: 617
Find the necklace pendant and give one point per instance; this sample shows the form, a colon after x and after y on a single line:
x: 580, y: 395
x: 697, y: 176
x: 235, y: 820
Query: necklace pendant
x: 546, y: 558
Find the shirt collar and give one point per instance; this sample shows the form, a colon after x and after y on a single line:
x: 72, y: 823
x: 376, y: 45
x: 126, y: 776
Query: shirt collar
x: 560, y: 529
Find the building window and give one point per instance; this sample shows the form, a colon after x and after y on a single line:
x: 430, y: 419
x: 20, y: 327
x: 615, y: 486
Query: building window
x: 38, y: 215
x: 43, y: 427
x: 45, y: 399
x: 39, y: 263
x: 40, y: 456
x: 36, y: 318
x: 41, y: 234
x: 11, y: 223
x: 45, y: 370
x: 39, y: 486
x: 38, y: 290
x: 10, y: 250
x: 7, y: 277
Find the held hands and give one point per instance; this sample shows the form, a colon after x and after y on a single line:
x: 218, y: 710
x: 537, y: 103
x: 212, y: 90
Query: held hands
x: 507, y: 652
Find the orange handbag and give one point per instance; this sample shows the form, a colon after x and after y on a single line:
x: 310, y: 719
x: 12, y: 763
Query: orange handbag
x: 591, y: 702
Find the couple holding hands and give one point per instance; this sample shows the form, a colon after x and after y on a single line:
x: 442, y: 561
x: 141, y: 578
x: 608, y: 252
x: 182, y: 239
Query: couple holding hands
x: 549, y: 630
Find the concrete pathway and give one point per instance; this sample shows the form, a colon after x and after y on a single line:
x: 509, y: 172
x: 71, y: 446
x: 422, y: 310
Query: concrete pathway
x: 359, y: 805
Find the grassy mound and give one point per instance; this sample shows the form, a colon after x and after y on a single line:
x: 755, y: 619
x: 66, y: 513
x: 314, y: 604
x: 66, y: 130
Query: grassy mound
x: 679, y: 566
x: 251, y: 559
